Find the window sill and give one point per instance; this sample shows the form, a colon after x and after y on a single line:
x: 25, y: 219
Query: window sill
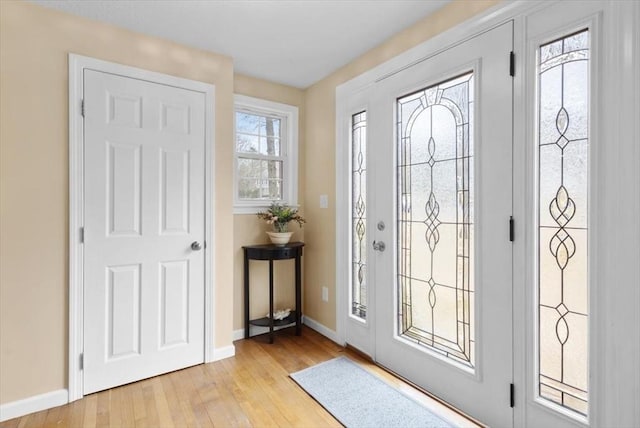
x: 258, y: 206
x: 253, y: 209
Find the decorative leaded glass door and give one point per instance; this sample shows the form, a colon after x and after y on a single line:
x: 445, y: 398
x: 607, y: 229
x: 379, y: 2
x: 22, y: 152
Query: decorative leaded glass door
x: 443, y: 311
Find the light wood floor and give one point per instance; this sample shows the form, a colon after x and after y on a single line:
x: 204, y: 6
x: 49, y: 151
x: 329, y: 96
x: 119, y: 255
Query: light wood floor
x: 251, y: 389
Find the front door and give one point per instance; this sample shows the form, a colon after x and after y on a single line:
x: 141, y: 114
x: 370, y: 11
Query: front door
x: 144, y: 213
x: 437, y: 307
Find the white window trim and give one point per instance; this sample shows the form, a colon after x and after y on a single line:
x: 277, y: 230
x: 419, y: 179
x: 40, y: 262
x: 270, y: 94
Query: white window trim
x: 290, y: 150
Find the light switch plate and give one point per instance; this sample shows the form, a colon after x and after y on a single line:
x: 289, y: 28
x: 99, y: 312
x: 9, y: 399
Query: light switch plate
x: 324, y: 201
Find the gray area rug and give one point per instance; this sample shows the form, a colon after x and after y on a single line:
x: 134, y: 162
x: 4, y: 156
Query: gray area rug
x: 357, y: 398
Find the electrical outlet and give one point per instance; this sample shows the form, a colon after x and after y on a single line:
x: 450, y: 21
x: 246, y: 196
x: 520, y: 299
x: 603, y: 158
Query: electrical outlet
x: 325, y: 294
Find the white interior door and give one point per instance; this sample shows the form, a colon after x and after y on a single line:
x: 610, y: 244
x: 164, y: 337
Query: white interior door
x: 441, y: 134
x: 144, y: 229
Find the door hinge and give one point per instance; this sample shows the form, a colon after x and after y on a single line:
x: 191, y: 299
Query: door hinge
x: 512, y: 231
x: 81, y: 361
x: 512, y: 64
x: 82, y: 107
x: 82, y: 235
x: 512, y: 395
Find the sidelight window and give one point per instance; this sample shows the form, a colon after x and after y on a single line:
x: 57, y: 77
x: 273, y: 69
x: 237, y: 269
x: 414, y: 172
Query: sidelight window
x: 359, y: 215
x: 563, y: 141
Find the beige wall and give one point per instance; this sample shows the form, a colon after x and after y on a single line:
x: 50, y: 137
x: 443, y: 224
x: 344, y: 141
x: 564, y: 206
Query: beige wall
x: 248, y: 229
x: 320, y: 269
x: 34, y: 44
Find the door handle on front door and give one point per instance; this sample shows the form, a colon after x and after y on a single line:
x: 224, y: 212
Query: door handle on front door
x: 196, y: 246
x: 379, y: 246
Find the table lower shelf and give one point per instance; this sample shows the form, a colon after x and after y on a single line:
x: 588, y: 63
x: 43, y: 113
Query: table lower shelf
x: 266, y: 321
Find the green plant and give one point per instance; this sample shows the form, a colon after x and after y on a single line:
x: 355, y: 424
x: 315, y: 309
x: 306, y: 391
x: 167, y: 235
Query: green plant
x: 280, y: 215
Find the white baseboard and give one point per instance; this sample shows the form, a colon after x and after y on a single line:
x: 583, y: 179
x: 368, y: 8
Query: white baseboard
x: 238, y: 334
x: 15, y: 409
x: 325, y: 331
x: 222, y: 353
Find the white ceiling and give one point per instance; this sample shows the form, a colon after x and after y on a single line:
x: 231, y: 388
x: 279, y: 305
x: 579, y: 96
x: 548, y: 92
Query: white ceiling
x: 295, y: 42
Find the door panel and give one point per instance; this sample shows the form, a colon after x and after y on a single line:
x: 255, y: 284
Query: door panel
x: 123, y: 310
x: 175, y: 191
x: 441, y: 133
x: 174, y: 304
x: 144, y: 206
x: 124, y: 193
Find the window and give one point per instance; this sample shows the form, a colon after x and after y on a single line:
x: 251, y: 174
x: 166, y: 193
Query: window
x: 435, y: 218
x: 563, y: 139
x: 359, y: 214
x: 266, y: 154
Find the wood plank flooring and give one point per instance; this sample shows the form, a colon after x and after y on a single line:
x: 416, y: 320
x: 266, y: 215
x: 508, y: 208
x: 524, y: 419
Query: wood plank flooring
x: 252, y: 389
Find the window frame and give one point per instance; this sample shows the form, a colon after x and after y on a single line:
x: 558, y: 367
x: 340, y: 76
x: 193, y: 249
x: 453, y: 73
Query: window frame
x: 289, y: 155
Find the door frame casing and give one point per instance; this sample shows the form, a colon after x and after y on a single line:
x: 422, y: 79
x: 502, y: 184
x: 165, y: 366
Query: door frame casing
x: 77, y: 65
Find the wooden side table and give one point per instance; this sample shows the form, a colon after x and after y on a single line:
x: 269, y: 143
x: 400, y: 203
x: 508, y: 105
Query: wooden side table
x: 270, y: 252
